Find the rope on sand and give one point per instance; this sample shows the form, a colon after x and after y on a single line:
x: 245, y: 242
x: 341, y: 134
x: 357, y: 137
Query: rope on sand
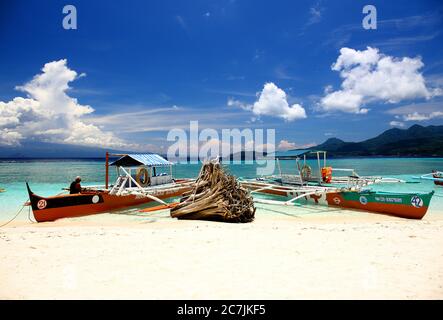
x: 16, y: 215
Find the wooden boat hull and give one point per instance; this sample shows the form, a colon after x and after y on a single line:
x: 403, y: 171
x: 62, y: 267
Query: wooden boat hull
x: 90, y: 202
x: 438, y: 180
x: 404, y: 205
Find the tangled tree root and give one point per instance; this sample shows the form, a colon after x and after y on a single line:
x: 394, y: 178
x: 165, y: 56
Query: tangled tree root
x: 215, y: 196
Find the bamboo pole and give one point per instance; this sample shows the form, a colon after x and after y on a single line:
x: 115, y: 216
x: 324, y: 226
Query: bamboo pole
x: 107, y: 171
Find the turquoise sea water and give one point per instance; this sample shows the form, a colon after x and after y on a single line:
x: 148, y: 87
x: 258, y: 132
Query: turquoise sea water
x: 47, y: 177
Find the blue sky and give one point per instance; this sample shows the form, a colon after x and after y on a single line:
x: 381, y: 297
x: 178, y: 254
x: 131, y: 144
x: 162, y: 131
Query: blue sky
x: 144, y: 67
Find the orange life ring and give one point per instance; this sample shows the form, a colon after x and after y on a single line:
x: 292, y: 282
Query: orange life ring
x: 142, y: 177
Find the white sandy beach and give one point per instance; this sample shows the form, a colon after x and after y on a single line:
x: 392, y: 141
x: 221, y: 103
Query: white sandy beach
x: 343, y: 255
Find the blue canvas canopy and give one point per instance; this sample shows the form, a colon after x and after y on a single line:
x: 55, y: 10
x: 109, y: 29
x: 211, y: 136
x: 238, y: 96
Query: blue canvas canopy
x: 142, y: 159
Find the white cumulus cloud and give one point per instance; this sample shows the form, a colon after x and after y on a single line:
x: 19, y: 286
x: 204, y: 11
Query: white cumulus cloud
x: 272, y: 101
x: 418, y: 111
x: 49, y: 114
x: 370, y: 76
x: 415, y: 116
x: 397, y: 124
x: 286, y: 145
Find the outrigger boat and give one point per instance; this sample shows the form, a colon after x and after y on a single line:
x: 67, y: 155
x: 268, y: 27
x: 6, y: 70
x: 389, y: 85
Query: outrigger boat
x: 148, y: 185
x: 345, y: 192
x: 324, y: 174
x: 436, y: 176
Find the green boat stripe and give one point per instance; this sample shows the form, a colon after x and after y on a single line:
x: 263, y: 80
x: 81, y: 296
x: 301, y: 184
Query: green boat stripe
x: 412, y: 199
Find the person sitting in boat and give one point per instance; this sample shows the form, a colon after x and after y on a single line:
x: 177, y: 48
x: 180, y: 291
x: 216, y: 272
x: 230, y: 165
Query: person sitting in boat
x: 75, y: 186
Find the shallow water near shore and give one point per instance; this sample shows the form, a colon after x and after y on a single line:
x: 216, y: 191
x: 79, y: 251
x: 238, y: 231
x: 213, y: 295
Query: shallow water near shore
x: 48, y: 177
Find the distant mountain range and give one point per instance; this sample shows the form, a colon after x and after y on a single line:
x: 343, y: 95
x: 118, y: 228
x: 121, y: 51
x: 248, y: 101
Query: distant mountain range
x: 417, y: 141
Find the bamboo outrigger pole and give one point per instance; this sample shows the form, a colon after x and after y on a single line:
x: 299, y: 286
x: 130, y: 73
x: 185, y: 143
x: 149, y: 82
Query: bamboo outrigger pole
x: 107, y: 171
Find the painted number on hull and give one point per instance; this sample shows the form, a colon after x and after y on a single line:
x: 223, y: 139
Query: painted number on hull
x: 95, y: 199
x: 363, y: 200
x: 417, y: 202
x: 41, y: 204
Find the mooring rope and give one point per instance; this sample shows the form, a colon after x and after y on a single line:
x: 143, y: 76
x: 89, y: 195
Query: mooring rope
x: 16, y: 215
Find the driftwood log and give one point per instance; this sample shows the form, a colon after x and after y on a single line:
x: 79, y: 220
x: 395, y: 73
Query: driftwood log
x: 215, y: 196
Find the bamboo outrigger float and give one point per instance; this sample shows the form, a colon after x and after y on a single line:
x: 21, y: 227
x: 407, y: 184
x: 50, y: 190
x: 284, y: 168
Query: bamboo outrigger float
x: 344, y: 192
x: 148, y: 185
